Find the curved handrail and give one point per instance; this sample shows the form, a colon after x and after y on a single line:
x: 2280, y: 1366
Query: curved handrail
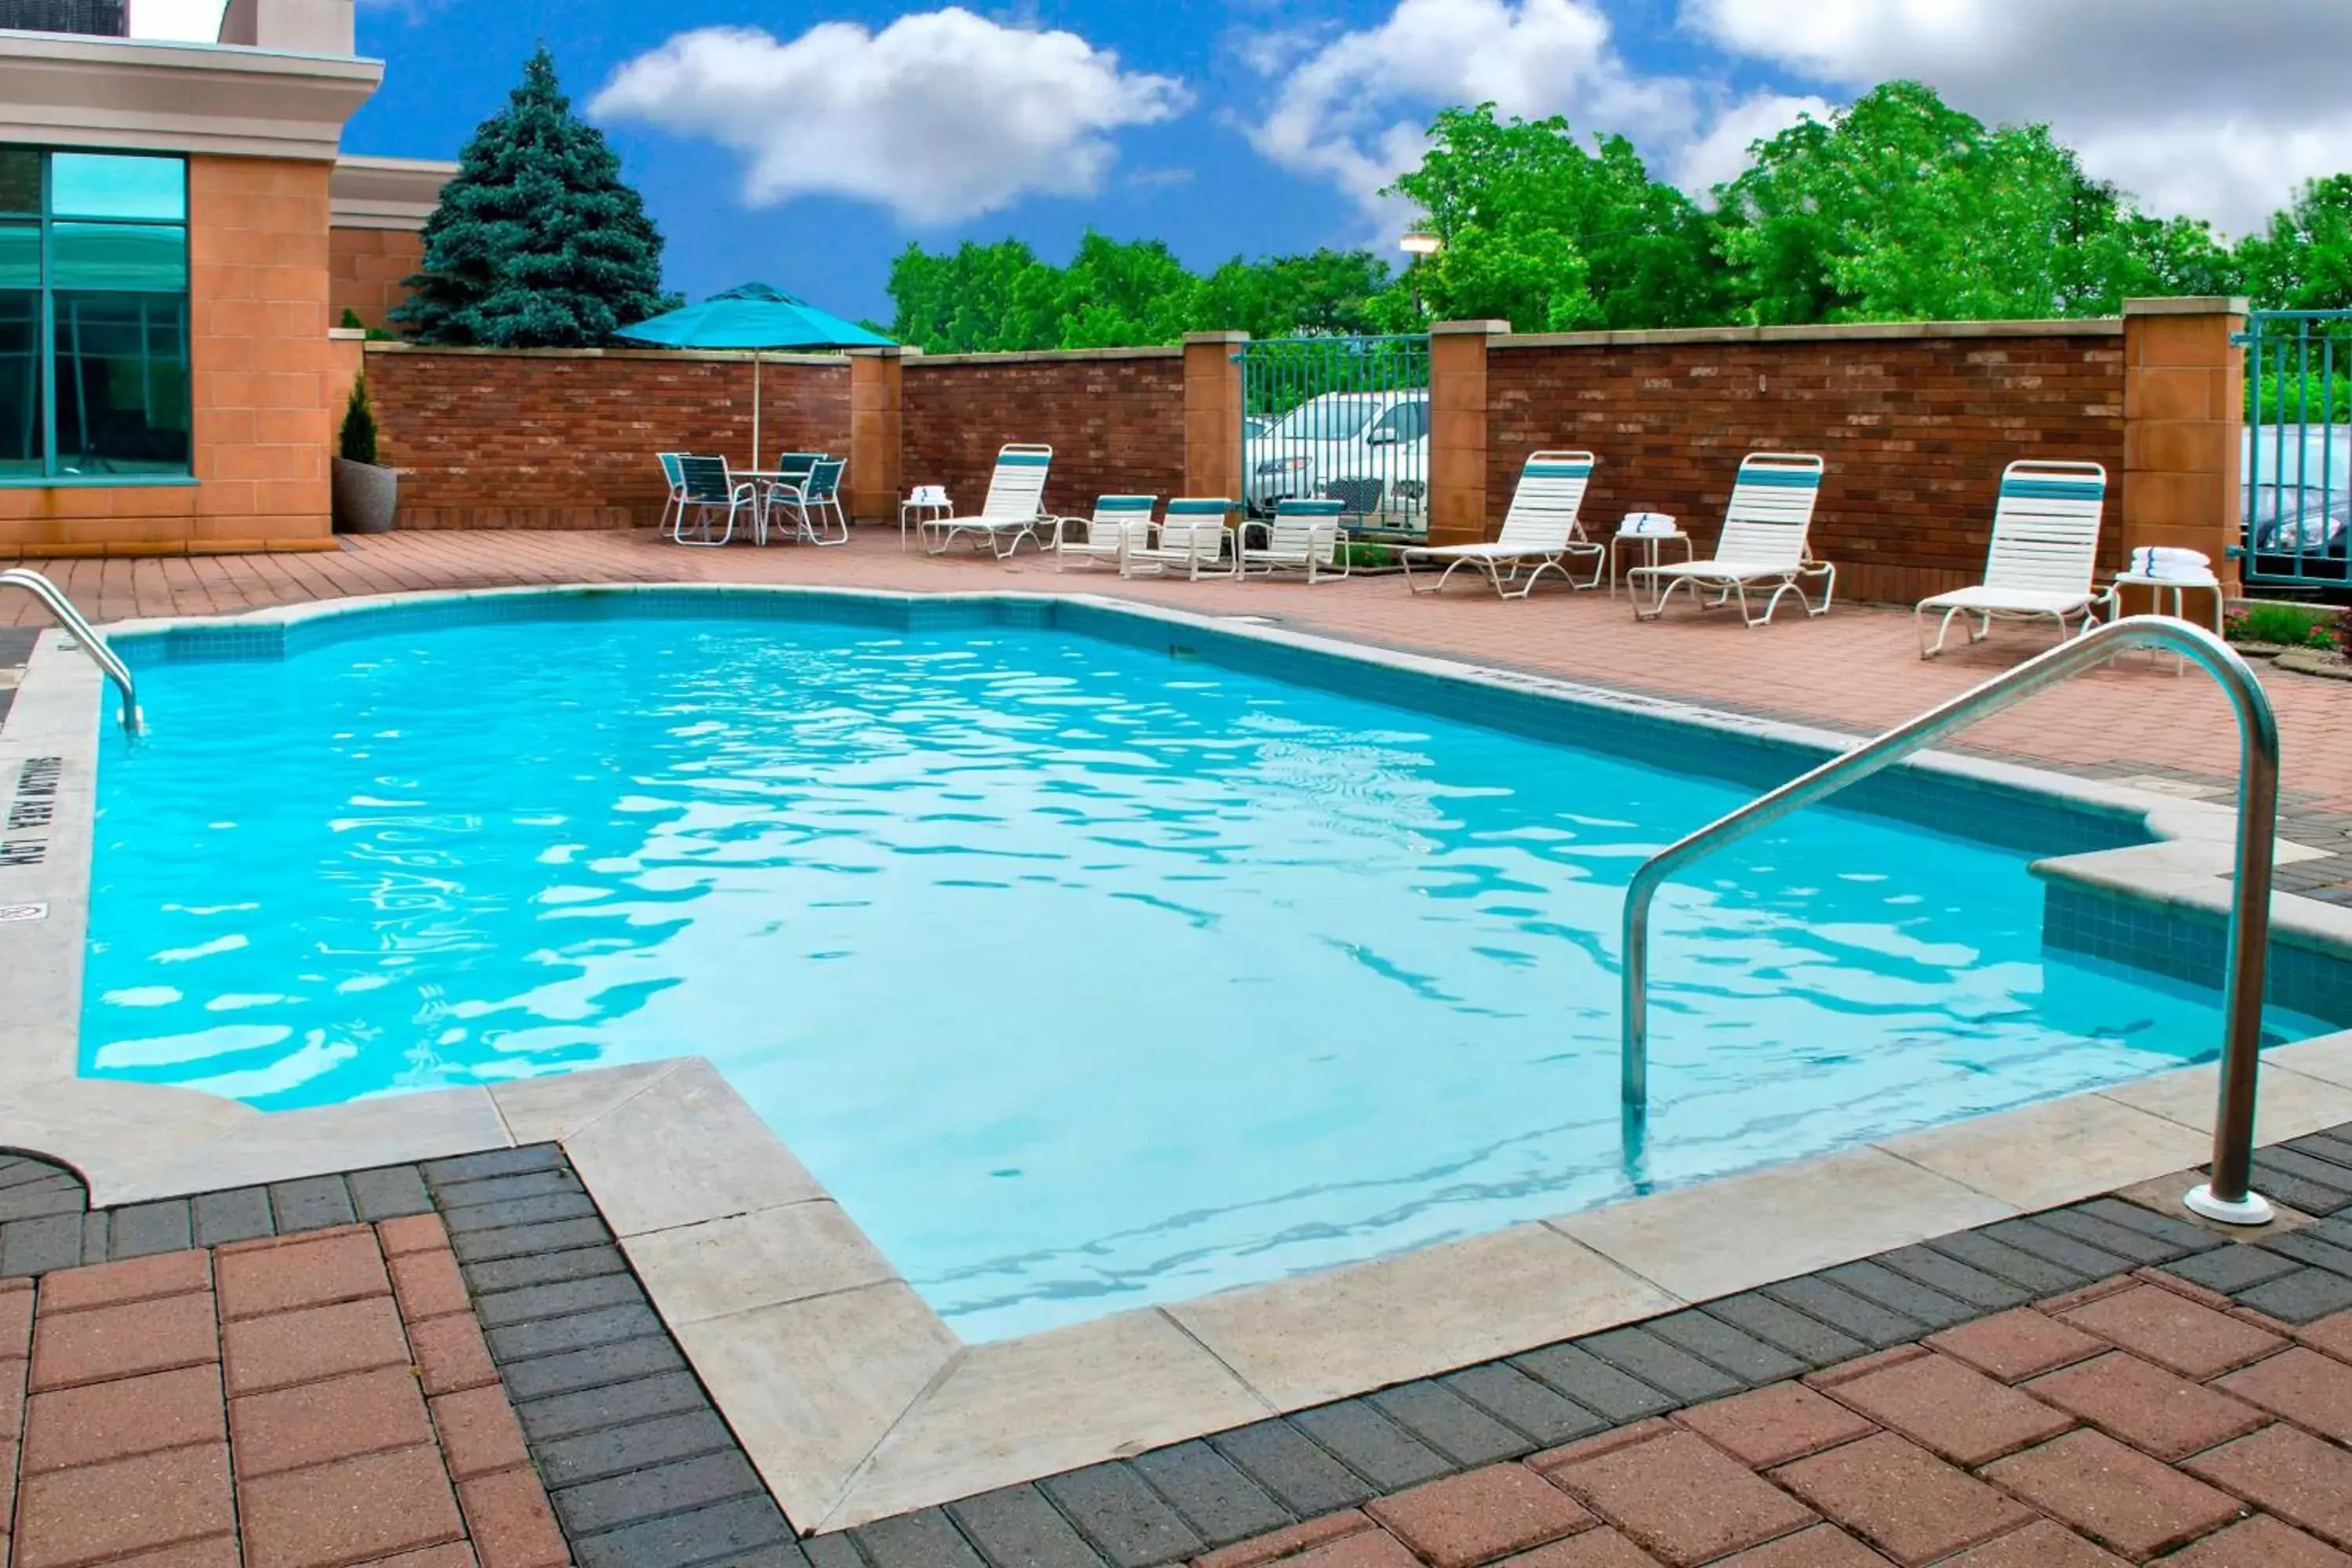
x: 2227, y: 1196
x: 60, y: 607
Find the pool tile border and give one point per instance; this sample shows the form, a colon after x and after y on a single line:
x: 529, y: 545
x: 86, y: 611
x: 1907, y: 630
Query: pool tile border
x: 858, y: 1405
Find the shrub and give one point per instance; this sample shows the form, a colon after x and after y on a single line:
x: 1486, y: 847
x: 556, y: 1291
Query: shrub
x: 2343, y: 632
x: 359, y: 426
x: 2293, y: 626
x: 1362, y: 556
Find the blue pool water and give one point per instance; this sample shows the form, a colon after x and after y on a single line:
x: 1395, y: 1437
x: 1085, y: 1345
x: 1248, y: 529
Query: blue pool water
x: 1086, y: 976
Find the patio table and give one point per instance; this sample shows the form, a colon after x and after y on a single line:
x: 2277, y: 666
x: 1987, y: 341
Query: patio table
x: 769, y: 480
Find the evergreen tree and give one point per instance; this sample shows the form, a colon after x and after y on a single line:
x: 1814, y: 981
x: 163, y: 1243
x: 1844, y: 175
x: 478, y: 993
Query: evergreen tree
x: 537, y: 242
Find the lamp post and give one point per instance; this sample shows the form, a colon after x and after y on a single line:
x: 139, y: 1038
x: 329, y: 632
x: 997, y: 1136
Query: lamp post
x: 1418, y: 243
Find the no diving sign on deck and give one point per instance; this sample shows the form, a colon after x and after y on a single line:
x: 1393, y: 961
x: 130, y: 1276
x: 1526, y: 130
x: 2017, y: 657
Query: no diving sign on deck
x: 31, y: 808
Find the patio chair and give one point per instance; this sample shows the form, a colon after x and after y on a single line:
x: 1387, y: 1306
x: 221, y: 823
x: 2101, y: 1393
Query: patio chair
x: 1540, y: 533
x: 710, y: 492
x: 812, y: 499
x: 2045, y: 547
x: 1118, y: 525
x: 1191, y: 539
x: 1013, y: 509
x: 1763, y: 544
x: 672, y: 509
x: 1303, y: 536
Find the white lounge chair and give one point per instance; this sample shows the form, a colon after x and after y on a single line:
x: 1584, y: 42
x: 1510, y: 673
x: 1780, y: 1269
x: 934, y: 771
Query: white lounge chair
x: 1119, y: 523
x: 1014, y: 507
x: 1540, y: 533
x: 1763, y: 544
x: 1303, y: 536
x: 2045, y: 547
x: 675, y: 479
x: 1191, y: 539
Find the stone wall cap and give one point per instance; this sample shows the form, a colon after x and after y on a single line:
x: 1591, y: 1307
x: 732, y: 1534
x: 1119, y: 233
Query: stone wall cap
x: 739, y: 356
x: 1490, y: 328
x: 347, y: 334
x: 893, y: 351
x: 2190, y: 305
x: 1053, y: 356
x: 1216, y: 337
x: 1831, y: 332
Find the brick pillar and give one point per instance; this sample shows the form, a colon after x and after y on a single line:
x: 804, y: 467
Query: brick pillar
x: 1457, y: 429
x: 875, y: 431
x: 2184, y: 406
x: 1212, y: 414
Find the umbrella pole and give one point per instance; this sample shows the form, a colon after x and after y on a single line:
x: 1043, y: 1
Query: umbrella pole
x: 755, y: 409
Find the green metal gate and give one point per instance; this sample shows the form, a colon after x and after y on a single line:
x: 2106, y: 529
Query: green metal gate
x: 2297, y: 456
x: 1344, y: 417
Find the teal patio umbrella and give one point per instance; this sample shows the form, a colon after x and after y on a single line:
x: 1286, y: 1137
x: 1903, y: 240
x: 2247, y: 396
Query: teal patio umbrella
x: 757, y: 318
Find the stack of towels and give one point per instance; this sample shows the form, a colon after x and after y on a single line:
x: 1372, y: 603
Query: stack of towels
x: 1647, y: 525
x: 2171, y: 565
x: 929, y: 495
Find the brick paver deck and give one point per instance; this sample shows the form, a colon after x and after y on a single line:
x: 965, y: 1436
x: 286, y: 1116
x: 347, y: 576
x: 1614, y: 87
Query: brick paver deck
x: 316, y: 1400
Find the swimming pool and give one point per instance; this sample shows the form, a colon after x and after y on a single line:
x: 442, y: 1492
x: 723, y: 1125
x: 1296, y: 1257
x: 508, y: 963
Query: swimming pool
x: 1084, y: 973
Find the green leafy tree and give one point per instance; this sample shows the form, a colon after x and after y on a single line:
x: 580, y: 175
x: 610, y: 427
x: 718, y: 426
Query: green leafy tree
x: 537, y: 242
x: 2303, y: 261
x: 1320, y: 294
x: 977, y: 299
x: 1114, y: 294
x: 1542, y: 231
x: 1901, y: 207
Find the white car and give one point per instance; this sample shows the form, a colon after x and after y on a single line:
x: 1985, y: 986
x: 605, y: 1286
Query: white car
x: 1370, y: 449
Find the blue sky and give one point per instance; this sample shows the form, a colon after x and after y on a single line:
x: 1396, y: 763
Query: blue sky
x: 806, y: 146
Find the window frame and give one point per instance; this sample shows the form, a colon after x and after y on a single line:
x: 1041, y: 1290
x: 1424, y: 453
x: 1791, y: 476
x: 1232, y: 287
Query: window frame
x: 45, y: 323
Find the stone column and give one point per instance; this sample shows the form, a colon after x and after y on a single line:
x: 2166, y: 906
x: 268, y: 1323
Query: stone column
x: 1458, y: 430
x: 875, y: 429
x: 2184, y: 407
x: 1212, y: 414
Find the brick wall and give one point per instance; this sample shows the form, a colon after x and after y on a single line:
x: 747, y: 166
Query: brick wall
x: 1915, y: 425
x: 555, y: 439
x: 1114, y: 418
x: 365, y: 267
x: 260, y: 368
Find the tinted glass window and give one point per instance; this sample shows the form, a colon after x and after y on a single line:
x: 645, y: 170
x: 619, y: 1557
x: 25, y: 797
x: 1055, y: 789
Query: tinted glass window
x: 20, y: 382
x: 147, y: 258
x: 122, y: 382
x: 20, y: 180
x: 20, y: 256
x: 102, y: 185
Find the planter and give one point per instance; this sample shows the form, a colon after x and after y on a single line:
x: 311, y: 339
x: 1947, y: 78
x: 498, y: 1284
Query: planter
x: 366, y: 497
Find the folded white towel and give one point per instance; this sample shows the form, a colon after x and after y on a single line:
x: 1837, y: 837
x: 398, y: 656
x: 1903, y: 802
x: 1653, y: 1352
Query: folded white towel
x: 2171, y: 565
x: 1647, y: 525
x: 929, y: 495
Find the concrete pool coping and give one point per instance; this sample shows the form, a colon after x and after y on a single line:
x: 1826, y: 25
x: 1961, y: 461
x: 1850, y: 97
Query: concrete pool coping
x: 856, y: 1402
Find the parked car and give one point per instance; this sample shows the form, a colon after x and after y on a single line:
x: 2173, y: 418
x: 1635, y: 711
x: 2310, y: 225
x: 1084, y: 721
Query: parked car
x: 1255, y: 426
x: 2299, y: 501
x: 1370, y: 448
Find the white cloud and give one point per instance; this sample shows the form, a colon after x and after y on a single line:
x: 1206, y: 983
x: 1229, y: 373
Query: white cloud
x: 1355, y: 110
x: 940, y: 116
x: 1721, y: 155
x: 2196, y: 106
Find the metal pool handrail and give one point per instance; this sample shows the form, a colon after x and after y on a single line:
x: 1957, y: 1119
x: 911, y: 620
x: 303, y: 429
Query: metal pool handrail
x: 92, y: 644
x: 2227, y: 1196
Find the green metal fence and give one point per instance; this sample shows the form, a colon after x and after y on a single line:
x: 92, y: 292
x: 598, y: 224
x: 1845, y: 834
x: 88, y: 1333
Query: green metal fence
x: 1344, y: 417
x: 2298, y: 454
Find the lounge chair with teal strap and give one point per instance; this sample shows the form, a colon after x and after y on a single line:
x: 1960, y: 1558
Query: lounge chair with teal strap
x: 2045, y: 554
x: 1119, y: 523
x: 1303, y: 536
x: 1192, y: 539
x: 1764, y: 546
x: 1541, y: 532
x: 1014, y: 507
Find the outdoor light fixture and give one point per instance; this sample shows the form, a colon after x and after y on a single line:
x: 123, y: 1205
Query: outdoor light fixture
x: 1419, y: 243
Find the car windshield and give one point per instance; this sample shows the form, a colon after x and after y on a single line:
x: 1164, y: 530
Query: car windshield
x: 1326, y: 419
